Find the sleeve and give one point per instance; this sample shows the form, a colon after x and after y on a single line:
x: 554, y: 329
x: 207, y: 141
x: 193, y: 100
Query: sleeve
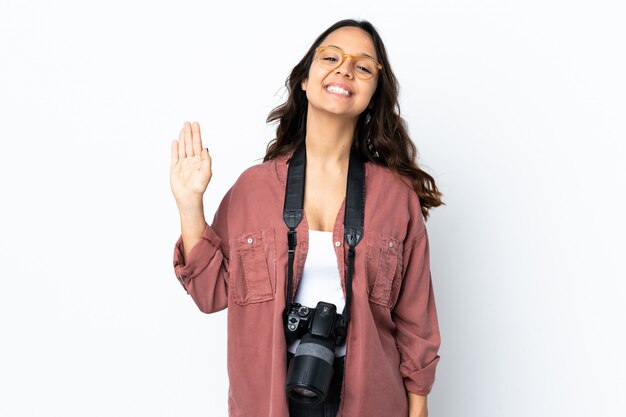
x: 205, y: 275
x: 415, y: 315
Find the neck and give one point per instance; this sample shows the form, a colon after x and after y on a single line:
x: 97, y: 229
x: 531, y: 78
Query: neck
x: 328, y: 138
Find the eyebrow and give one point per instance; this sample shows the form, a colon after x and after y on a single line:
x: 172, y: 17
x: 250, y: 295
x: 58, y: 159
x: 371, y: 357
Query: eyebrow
x: 360, y: 53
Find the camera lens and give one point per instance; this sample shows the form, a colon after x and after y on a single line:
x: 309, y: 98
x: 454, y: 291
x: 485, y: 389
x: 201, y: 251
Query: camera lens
x: 304, y: 392
x: 311, y: 370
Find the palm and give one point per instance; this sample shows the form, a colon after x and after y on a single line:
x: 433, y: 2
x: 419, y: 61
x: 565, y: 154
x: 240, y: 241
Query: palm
x: 190, y: 170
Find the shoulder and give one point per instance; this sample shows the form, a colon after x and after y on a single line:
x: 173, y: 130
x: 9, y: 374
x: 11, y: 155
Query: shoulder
x: 386, y: 180
x: 396, y: 200
x: 255, y: 182
x: 254, y: 174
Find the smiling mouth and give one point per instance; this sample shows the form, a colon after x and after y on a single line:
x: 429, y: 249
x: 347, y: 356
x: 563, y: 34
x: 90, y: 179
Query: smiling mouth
x: 338, y: 90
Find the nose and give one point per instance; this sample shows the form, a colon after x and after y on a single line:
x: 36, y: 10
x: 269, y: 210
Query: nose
x: 345, y: 67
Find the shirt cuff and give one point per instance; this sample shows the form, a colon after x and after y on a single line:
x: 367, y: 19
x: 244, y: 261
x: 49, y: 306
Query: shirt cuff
x: 199, y: 257
x: 421, y: 381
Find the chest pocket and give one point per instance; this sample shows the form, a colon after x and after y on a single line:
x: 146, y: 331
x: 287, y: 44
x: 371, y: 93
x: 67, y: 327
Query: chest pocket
x: 383, y: 268
x: 253, y: 278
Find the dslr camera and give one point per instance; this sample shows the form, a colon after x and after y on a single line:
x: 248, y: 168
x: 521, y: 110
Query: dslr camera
x: 311, y: 369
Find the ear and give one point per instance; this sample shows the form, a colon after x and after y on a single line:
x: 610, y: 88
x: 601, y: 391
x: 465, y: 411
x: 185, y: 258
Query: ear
x: 303, y: 84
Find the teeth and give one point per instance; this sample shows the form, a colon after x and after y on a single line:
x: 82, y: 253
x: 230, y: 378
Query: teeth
x: 339, y: 90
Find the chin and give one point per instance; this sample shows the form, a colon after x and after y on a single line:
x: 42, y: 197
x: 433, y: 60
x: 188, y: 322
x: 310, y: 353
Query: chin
x: 336, y: 111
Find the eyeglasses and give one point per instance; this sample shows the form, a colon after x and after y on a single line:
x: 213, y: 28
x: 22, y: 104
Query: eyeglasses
x: 331, y: 57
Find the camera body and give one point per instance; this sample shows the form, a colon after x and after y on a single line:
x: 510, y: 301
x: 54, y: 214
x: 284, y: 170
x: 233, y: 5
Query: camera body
x: 321, y: 321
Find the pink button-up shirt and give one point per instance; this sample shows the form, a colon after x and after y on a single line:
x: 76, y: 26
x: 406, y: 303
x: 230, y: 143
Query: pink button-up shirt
x: 240, y: 263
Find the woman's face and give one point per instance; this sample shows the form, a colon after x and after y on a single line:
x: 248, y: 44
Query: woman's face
x: 354, y: 41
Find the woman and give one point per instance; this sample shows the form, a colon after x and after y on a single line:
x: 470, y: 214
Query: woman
x: 343, y: 98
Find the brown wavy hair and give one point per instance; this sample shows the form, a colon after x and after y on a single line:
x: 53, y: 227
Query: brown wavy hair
x: 381, y: 134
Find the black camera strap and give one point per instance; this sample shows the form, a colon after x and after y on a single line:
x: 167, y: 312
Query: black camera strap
x: 353, y: 218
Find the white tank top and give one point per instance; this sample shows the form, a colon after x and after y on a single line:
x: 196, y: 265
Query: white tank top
x: 320, y: 279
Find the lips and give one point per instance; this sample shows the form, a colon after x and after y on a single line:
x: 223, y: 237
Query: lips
x: 339, y: 88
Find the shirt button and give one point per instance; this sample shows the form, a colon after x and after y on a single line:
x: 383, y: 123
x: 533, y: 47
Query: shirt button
x: 249, y: 240
x: 391, y: 244
x: 337, y: 243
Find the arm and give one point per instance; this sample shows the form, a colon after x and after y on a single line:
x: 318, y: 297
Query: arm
x: 201, y: 258
x: 417, y: 405
x: 201, y: 252
x: 415, y: 316
x: 192, y: 224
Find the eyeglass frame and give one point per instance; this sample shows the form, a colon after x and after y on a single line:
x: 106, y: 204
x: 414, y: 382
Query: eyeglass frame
x: 343, y: 59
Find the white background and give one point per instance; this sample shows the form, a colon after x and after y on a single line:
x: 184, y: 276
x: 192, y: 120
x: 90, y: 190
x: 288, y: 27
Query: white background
x: 517, y: 109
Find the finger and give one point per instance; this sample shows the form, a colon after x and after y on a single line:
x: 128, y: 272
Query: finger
x: 205, y: 154
x: 197, y: 140
x: 181, y: 144
x: 188, y: 140
x: 174, y: 147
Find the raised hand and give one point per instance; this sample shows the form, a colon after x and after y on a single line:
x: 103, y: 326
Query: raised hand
x: 190, y: 170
